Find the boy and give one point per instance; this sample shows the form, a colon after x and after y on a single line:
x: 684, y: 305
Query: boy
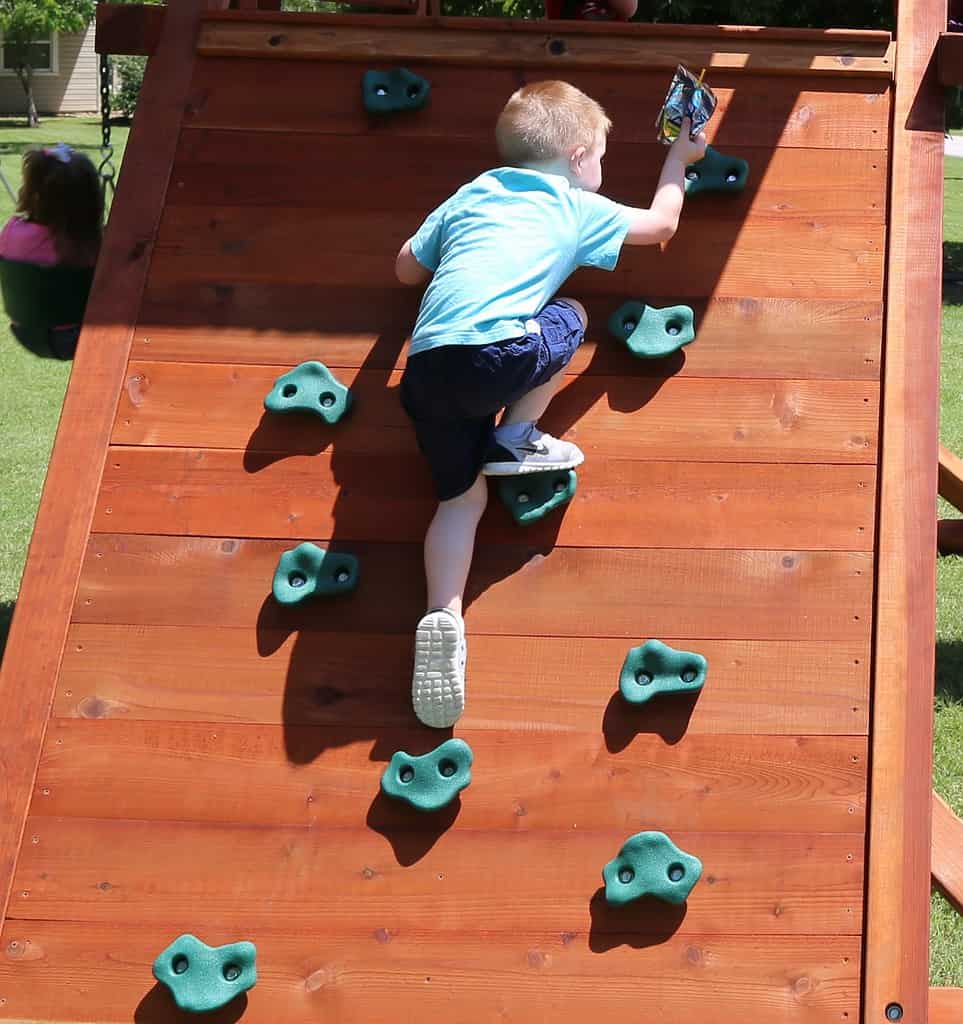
x: 490, y: 336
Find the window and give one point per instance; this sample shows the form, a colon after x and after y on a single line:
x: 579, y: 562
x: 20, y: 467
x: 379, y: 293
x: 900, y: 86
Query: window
x: 43, y: 57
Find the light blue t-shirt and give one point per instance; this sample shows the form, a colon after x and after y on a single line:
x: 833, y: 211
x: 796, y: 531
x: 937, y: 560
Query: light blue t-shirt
x: 500, y: 248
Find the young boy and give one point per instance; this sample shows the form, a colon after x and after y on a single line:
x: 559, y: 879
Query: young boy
x: 490, y: 336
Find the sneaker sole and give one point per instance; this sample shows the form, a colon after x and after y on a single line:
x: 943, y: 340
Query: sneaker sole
x: 438, y: 681
x: 518, y: 468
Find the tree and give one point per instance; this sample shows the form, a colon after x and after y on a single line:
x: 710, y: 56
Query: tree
x: 23, y: 23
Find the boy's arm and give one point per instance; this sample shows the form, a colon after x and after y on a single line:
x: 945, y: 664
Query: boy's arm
x: 661, y: 221
x: 408, y: 269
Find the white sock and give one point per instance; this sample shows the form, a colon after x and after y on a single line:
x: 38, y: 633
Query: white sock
x: 513, y: 432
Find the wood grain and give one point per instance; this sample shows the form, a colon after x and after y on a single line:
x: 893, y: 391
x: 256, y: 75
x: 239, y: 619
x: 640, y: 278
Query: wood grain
x: 945, y: 1005
x: 768, y: 595
x: 546, y: 781
x: 520, y: 44
x: 355, y: 327
x: 99, y: 871
x: 947, y: 856
x: 299, y: 96
x: 898, y: 890
x: 198, y: 492
x: 53, y: 970
x: 257, y: 168
x: 609, y: 417
x: 204, y: 673
x: 37, y: 634
x: 818, y: 257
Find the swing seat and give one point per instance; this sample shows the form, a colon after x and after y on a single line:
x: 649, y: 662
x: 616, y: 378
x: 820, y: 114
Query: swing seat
x: 44, y: 297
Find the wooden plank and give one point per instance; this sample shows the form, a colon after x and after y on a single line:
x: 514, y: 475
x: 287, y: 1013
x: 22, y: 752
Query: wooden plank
x: 898, y: 890
x: 248, y: 168
x: 302, y: 96
x: 215, y: 674
x: 538, y: 782
x: 201, y: 492
x: 280, y: 324
x: 951, y: 58
x: 945, y: 1005
x: 950, y: 477
x: 520, y: 44
x: 107, y: 871
x: 128, y: 28
x: 819, y: 258
x: 771, y: 595
x: 55, y: 970
x: 684, y: 419
x: 947, y: 856
x: 37, y: 634
x: 949, y: 536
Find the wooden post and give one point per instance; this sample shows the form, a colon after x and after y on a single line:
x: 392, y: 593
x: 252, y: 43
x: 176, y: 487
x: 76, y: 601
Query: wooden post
x: 897, y: 900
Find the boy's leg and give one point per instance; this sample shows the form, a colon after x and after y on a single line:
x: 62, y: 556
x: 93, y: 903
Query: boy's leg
x: 438, y: 681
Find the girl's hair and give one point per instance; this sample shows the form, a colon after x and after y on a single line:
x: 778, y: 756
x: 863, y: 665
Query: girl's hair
x: 61, y: 190
x: 543, y: 120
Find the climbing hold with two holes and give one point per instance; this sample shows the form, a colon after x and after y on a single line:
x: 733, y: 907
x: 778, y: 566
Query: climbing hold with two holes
x: 650, y: 864
x: 202, y: 977
x: 652, y: 333
x: 431, y: 781
x: 716, y: 172
x: 532, y: 496
x: 309, y: 571
x: 310, y: 387
x: 656, y: 668
x: 390, y: 92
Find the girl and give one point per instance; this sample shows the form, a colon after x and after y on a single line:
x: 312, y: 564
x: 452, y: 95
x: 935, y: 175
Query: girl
x: 59, y: 223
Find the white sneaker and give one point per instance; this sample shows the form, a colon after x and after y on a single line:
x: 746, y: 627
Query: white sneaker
x: 535, y: 453
x: 438, y: 681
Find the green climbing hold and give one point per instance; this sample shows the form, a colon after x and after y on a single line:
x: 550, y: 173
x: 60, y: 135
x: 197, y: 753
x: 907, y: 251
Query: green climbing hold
x: 716, y: 172
x: 203, y: 977
x: 656, y: 668
x: 309, y: 571
x: 652, y: 333
x: 532, y: 496
x: 431, y: 781
x: 650, y: 864
x: 389, y: 92
x: 310, y: 387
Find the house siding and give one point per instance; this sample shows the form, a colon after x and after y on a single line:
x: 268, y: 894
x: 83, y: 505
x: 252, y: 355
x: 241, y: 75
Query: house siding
x: 74, y: 89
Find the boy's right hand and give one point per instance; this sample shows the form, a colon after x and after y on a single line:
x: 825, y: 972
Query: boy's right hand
x: 686, y: 149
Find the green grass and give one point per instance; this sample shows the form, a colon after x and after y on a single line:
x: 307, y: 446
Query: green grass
x: 33, y: 388
x: 33, y: 392
x: 946, y: 932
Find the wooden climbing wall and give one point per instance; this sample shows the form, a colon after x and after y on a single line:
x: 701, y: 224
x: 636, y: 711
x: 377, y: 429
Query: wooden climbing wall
x: 211, y: 761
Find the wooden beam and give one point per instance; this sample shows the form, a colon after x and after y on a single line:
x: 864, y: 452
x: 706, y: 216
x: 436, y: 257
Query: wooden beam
x: 898, y: 880
x: 951, y: 58
x: 128, y: 28
x: 949, y: 536
x: 951, y: 477
x: 947, y: 860
x: 526, y: 44
x: 35, y: 646
x: 946, y: 1005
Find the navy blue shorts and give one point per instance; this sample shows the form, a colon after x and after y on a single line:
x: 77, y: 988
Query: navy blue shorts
x: 454, y: 392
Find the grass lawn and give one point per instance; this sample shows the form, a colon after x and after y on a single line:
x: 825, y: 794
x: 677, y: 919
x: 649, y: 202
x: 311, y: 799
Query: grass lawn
x: 32, y: 388
x: 946, y: 958
x: 33, y: 391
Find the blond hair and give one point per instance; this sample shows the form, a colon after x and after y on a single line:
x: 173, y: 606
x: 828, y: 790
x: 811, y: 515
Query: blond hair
x: 545, y: 120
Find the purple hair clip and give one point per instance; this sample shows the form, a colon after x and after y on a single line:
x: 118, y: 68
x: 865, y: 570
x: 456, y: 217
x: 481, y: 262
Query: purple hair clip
x: 61, y: 152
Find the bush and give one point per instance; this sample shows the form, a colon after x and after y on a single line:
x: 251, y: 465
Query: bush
x: 130, y: 75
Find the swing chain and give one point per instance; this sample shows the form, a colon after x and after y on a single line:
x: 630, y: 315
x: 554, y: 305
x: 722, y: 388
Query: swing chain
x: 106, y: 169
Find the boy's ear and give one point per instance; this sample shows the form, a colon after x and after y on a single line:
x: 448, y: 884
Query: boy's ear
x: 576, y: 157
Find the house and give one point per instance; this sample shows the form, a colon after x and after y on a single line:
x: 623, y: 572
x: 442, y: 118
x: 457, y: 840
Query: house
x: 66, y: 77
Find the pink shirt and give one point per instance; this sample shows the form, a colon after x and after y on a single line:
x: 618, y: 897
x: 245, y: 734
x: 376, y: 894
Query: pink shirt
x: 26, y: 242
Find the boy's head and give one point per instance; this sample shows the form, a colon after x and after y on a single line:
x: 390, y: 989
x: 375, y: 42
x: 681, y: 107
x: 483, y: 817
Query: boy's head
x: 552, y: 125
